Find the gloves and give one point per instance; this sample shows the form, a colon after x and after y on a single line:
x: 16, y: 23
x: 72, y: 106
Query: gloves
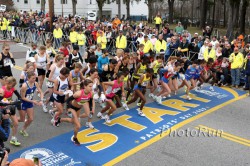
x: 96, y: 97
x: 102, y: 98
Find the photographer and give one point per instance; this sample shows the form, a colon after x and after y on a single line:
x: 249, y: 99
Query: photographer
x: 6, y: 93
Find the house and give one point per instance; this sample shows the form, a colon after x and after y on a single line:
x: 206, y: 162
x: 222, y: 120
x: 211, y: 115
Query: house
x: 82, y: 8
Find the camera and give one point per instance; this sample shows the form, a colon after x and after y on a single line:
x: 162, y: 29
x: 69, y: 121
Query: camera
x: 2, y: 153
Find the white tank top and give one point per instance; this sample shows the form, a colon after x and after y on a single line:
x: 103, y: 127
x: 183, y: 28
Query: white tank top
x: 57, y: 72
x: 62, y: 86
x: 41, y: 62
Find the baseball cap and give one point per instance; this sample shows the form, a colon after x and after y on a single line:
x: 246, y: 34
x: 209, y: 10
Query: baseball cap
x: 31, y: 59
x: 22, y: 162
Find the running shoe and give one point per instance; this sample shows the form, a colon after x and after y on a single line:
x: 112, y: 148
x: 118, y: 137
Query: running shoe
x: 24, y: 133
x: 125, y: 106
x: 107, y: 119
x: 14, y: 141
x: 138, y: 104
x: 52, y: 113
x: 45, y: 108
x: 69, y: 114
x: 211, y: 88
x: 188, y: 97
x: 169, y: 95
x: 76, y: 142
x: 100, y: 115
x: 159, y: 99
x: 141, y: 113
x: 51, y: 104
x: 151, y: 95
x: 57, y: 122
x: 89, y: 124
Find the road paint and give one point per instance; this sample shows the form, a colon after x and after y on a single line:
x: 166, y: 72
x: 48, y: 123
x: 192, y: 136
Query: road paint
x: 128, y: 132
x: 225, y: 135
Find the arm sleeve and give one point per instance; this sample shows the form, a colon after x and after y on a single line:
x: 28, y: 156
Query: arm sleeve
x: 17, y: 95
x: 13, y: 61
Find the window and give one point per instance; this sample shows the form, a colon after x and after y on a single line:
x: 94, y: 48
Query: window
x: 64, y: 1
x: 38, y: 1
x: 90, y: 2
x: 25, y: 1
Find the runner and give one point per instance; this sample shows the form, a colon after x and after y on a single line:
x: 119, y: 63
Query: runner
x: 110, y: 91
x: 76, y: 76
x: 140, y: 89
x: 42, y: 62
x: 156, y: 65
x: 27, y: 108
x: 61, y: 85
x: 80, y: 99
x: 6, y: 62
x: 55, y: 69
x: 32, y: 51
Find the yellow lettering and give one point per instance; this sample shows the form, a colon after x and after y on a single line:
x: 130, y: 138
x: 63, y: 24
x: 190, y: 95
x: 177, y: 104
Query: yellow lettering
x: 154, y: 114
x: 193, y: 96
x: 123, y: 121
x: 103, y: 140
x: 178, y: 104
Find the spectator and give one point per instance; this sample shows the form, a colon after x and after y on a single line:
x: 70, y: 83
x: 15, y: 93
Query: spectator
x: 207, y: 32
x: 73, y: 37
x: 81, y: 38
x: 209, y: 52
x: 179, y: 28
x: 237, y: 60
x: 158, y: 22
x: 214, y: 42
x: 160, y: 44
x: 57, y: 33
x: 148, y: 46
x: 173, y: 46
x: 121, y: 41
x: 183, y: 47
x: 226, y: 51
x: 102, y: 40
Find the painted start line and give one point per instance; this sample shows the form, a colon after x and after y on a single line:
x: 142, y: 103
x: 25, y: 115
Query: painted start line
x: 128, y: 132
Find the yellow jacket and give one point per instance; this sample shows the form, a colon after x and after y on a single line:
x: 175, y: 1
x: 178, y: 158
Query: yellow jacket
x: 211, y: 54
x: 81, y: 38
x: 160, y: 45
x: 147, y: 46
x: 73, y: 36
x: 102, y: 40
x: 121, y: 42
x: 58, y: 33
x: 237, y: 61
x: 4, y: 24
x: 158, y: 20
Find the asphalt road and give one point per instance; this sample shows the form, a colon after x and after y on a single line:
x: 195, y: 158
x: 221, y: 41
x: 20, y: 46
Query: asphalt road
x: 171, y: 150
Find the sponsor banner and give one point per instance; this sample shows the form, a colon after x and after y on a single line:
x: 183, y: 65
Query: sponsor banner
x: 128, y: 132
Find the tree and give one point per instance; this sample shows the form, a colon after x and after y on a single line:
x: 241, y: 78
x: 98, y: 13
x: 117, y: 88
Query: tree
x: 203, y: 13
x: 43, y: 5
x: 128, y: 8
x: 119, y: 8
x: 245, y: 4
x: 51, y: 12
x: 170, y: 10
x: 74, y: 2
x: 100, y: 4
x: 233, y: 7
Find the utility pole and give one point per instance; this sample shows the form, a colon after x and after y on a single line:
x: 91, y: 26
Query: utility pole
x: 51, y: 12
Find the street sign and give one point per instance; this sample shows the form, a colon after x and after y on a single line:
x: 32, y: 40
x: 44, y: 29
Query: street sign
x: 92, y: 16
x: 2, y: 8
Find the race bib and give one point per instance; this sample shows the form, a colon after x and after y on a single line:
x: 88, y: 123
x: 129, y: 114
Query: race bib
x: 42, y: 64
x: 50, y: 84
x: 30, y: 96
x: 7, y: 62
